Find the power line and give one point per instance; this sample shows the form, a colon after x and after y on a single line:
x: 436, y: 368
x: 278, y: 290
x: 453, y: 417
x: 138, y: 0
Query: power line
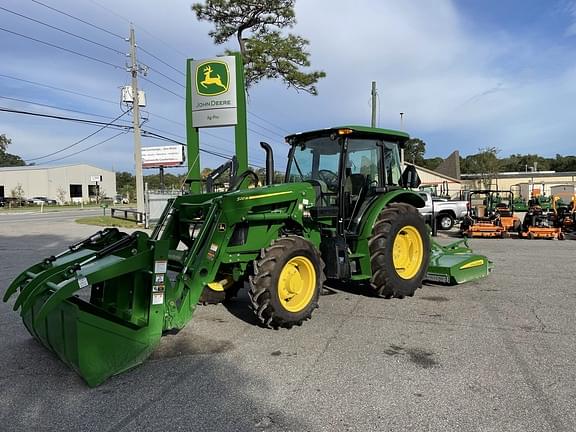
x: 164, y: 75
x: 63, y: 31
x: 137, y: 26
x: 222, y: 155
x: 163, y: 88
x: 166, y: 118
x: 59, y: 89
x: 55, y: 117
x: 270, y: 123
x: 161, y: 61
x: 184, y: 138
x: 86, y: 149
x: 78, y: 19
x: 79, y: 141
x: 54, y: 107
x: 62, y: 48
x: 79, y: 94
x: 267, y: 129
x: 142, y: 49
x: 124, y: 128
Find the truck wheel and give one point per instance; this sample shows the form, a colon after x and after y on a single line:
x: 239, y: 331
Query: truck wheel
x: 286, y: 282
x: 445, y: 222
x: 399, y: 251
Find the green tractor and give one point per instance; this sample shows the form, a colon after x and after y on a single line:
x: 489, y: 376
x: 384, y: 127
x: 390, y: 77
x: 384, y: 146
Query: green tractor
x: 343, y: 212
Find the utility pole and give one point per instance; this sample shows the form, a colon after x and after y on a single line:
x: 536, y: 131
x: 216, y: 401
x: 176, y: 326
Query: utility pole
x: 134, y: 70
x: 373, y: 93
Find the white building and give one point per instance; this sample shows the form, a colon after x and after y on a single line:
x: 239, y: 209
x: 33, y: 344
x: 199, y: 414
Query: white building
x: 68, y: 183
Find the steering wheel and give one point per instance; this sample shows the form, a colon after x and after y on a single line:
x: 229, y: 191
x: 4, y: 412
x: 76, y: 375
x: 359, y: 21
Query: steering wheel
x: 240, y: 179
x: 328, y: 177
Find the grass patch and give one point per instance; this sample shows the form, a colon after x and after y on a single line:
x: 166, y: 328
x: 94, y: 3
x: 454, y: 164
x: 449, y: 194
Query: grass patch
x: 107, y: 221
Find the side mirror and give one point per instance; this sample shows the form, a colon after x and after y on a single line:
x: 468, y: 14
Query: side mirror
x: 410, y: 178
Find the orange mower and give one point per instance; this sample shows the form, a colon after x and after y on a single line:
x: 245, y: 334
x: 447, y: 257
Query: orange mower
x: 490, y: 215
x: 540, y: 225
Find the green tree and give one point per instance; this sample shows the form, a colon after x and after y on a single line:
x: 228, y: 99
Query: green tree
x: 414, y: 151
x: 4, y: 142
x: 266, y: 52
x: 563, y: 163
x: 519, y: 162
x: 125, y: 184
x: 61, y: 195
x: 432, y: 163
x: 18, y: 193
x: 485, y: 163
x: 7, y: 159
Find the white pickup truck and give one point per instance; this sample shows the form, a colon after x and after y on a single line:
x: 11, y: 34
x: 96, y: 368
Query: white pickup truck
x: 445, y: 212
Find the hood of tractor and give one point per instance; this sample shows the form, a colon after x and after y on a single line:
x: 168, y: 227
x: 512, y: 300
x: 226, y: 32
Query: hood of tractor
x: 266, y: 195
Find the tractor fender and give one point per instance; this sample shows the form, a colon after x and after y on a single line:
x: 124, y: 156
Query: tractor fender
x: 371, y: 213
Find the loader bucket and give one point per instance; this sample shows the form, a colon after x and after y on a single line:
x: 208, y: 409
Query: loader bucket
x: 93, y: 304
x: 456, y: 264
x: 95, y: 344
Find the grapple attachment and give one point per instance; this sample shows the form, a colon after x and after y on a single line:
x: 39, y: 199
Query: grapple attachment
x: 92, y: 305
x: 456, y: 264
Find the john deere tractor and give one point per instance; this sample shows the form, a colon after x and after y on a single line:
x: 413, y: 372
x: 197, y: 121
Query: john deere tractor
x: 343, y: 212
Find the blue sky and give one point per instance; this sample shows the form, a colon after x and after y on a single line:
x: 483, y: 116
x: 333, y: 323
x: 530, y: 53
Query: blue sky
x: 468, y: 74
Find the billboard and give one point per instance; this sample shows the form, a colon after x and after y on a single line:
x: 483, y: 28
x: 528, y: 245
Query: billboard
x: 213, y: 89
x: 163, y: 156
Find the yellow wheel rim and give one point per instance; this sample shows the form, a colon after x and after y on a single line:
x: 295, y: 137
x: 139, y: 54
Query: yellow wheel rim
x: 408, y: 252
x: 296, y: 284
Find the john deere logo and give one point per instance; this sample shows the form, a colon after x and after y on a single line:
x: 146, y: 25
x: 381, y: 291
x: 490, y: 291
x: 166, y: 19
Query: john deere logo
x: 212, y: 78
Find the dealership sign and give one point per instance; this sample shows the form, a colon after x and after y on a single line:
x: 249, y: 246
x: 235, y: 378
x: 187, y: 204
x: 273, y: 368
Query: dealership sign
x: 164, y: 156
x: 214, y: 92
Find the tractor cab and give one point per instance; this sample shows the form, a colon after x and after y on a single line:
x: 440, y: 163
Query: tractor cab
x: 349, y: 167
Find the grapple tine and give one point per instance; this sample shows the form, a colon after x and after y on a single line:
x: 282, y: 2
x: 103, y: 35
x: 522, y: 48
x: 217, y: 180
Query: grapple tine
x: 22, y: 277
x: 61, y: 292
x: 33, y: 288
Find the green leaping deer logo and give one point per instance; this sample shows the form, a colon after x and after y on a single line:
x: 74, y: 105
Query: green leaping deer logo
x: 212, y: 78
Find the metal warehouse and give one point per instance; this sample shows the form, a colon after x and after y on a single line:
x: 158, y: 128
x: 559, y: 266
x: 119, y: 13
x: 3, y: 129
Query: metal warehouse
x: 64, y: 183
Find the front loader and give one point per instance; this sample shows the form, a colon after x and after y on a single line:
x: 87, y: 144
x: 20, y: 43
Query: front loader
x: 343, y: 212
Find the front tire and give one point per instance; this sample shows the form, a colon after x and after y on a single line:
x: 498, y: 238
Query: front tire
x: 286, y: 282
x: 399, y: 251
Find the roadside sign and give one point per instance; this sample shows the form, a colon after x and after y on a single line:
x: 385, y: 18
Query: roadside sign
x: 162, y: 156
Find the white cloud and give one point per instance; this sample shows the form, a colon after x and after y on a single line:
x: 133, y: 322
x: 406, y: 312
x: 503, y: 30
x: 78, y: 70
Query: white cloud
x: 459, y: 89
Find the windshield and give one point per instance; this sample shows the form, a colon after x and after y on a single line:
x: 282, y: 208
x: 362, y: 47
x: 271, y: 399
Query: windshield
x: 316, y: 159
x: 368, y: 162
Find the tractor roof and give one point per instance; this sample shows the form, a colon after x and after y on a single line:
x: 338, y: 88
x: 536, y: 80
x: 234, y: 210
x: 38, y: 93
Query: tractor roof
x: 357, y: 131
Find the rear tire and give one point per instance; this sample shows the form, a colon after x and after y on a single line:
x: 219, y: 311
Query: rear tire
x: 399, y: 251
x: 286, y: 282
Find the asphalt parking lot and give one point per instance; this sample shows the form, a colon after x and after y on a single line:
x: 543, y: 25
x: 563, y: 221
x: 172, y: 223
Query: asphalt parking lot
x: 494, y: 355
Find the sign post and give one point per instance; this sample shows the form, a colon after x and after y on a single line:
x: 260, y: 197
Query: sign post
x: 96, y: 179
x: 215, y: 97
